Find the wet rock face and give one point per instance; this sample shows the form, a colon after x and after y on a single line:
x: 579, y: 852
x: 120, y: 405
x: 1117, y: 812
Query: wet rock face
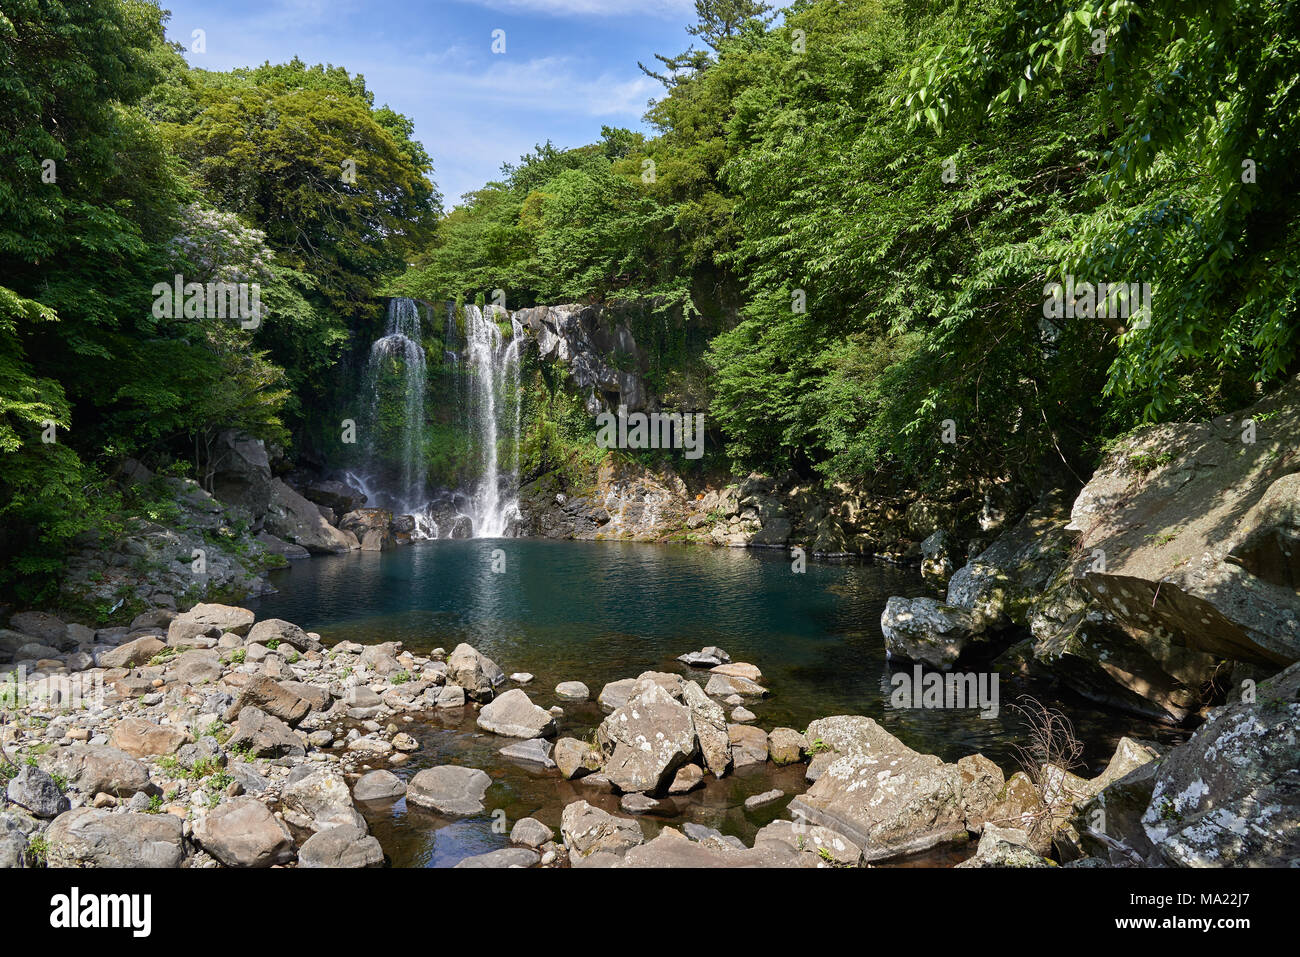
x: 586, y: 339
x: 1194, y: 522
x: 1230, y: 797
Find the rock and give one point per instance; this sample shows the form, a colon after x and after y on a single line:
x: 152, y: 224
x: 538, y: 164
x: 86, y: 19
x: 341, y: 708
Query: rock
x: 450, y: 696
x: 137, y: 652
x: 283, y: 632
x: 722, y: 685
x: 687, y: 779
x: 264, y: 735
x: 786, y: 746
x: 505, y: 857
x: 378, y: 786
x: 474, y: 672
x: 405, y: 743
x: 242, y: 832
x: 531, y: 832
x: 672, y: 850
x: 757, y: 801
x: 372, y: 526
x: 1194, y: 524
x: 35, y: 790
x: 521, y: 677
x: 228, y: 618
x: 588, y: 830
x: 741, y: 714
x: 705, y: 658
x: 46, y: 628
x: 344, y: 846
x: 638, y: 804
x: 938, y: 552
x: 95, y: 768
x: 647, y: 740
x: 1230, y: 796
x: 94, y: 837
x: 185, y: 632
x: 573, y: 691
x: 267, y: 695
x: 449, y: 790
x: 317, y: 697
x: 615, y: 694
x: 532, y: 751
x: 339, y: 496
x: 710, y: 728
x: 922, y: 629
x: 291, y: 517
x: 576, y: 758
x: 318, y: 800
x: 882, y: 795
x: 738, y: 669
x: 982, y: 782
x: 514, y: 715
x: 1077, y: 641
x: 241, y: 471
x: 140, y: 738
x: 1000, y: 584
x: 712, y: 836
x: 1004, y: 847
x: 748, y: 745
x: 278, y: 546
x: 195, y: 668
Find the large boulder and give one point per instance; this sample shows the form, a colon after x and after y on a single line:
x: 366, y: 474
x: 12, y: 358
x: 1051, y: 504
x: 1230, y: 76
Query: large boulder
x: 710, y: 728
x: 588, y: 831
x: 139, y: 651
x: 922, y: 629
x: 344, y: 846
x: 242, y: 832
x: 1230, y: 796
x: 318, y: 800
x: 92, y: 768
x: 647, y: 739
x: 449, y: 790
x: 227, y: 618
x: 1185, y: 529
x: 475, y: 672
x: 888, y: 799
x: 95, y: 837
x: 284, y: 632
x: 372, y: 527
x: 142, y: 738
x: 670, y: 848
x: 291, y: 517
x: 1076, y: 640
x: 271, y: 697
x: 35, y: 790
x: 265, y: 736
x: 514, y: 715
x: 338, y: 496
x: 241, y: 471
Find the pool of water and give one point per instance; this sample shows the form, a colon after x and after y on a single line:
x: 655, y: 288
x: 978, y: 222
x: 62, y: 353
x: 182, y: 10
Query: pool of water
x: 596, y: 612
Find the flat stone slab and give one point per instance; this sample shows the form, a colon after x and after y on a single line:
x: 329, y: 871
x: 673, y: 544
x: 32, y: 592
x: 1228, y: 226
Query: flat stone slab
x: 534, y: 751
x: 449, y: 789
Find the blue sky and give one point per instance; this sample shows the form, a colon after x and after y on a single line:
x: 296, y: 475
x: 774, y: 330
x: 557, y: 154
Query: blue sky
x: 570, y: 66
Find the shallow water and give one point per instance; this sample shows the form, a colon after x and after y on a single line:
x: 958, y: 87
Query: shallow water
x: 600, y: 611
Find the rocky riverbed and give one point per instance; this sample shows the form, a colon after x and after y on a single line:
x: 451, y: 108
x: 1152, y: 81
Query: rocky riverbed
x: 210, y: 738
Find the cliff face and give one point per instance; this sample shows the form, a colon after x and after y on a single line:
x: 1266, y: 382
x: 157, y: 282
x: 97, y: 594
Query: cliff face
x: 596, y: 343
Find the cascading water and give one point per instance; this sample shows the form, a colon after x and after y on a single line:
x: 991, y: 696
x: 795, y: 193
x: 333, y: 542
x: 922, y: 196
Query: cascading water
x: 394, y: 382
x: 493, y: 408
x: 483, y: 387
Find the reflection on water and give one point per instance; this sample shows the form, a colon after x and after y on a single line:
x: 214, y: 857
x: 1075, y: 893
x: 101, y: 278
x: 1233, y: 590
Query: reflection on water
x: 597, y: 612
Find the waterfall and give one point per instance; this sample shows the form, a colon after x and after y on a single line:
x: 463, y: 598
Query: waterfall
x: 394, y: 384
x: 493, y: 411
